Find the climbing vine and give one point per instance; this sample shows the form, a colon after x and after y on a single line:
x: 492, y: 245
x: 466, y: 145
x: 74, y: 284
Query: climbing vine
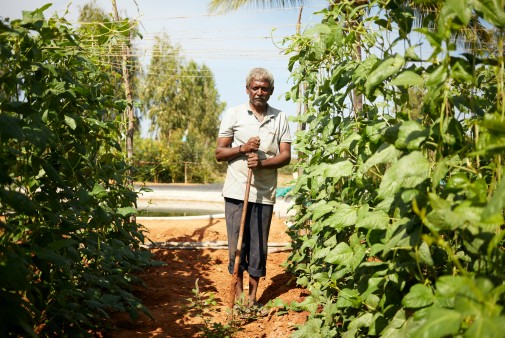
x: 399, y: 225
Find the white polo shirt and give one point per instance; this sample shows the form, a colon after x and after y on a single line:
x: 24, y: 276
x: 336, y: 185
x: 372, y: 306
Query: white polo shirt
x: 240, y: 123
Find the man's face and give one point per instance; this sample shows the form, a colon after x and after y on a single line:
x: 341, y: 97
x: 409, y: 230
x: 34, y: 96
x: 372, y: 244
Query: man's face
x: 259, y: 92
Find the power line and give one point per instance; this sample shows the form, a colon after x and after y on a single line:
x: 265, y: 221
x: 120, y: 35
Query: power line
x: 208, y: 15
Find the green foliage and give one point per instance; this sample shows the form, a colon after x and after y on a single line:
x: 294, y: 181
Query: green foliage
x: 181, y: 100
x: 399, y: 226
x: 202, y: 305
x: 180, y: 95
x: 68, y: 247
x: 177, y: 161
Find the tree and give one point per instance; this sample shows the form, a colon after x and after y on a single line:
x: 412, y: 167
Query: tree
x: 181, y: 100
x: 177, y: 95
x: 160, y: 88
x: 203, y: 100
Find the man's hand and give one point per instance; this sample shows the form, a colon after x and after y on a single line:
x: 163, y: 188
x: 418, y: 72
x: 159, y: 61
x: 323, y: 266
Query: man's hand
x: 253, y: 161
x: 252, y: 145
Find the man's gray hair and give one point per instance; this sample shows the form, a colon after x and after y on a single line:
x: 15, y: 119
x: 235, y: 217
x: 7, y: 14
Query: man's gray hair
x: 259, y: 74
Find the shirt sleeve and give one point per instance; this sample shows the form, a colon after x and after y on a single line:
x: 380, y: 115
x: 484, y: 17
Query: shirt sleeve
x: 226, y: 129
x: 285, y: 134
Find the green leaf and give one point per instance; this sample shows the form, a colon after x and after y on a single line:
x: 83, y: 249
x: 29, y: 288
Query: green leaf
x: 317, y: 29
x: 18, y: 202
x: 408, y: 172
x: 491, y: 10
x: 449, y: 286
x: 374, y: 130
x: 14, y: 272
x: 438, y: 76
x: 463, y: 216
x: 359, y: 255
x: 493, y: 122
x: 461, y: 8
x: 10, y: 128
x: 411, y: 135
x: 348, y: 144
x: 348, y: 298
x: 497, y: 202
x: 363, y: 69
x: 62, y: 243
x: 434, y: 40
x: 321, y: 253
x: 311, y: 328
x: 407, y: 78
x: 396, y: 327
x: 490, y: 143
x: 442, y: 168
x: 476, y: 297
x: 339, y: 169
x: 108, y: 299
x: 94, y: 304
x: 336, y: 170
x: 365, y: 320
x: 419, y: 296
x: 377, y: 219
x: 99, y: 191
x: 459, y: 73
x: 424, y: 254
x: 52, y: 256
x: 310, y: 303
x: 486, y: 327
x: 342, y: 254
x: 56, y: 89
x: 439, y: 323
x: 385, y: 69
x: 127, y: 211
x: 343, y: 216
x: 321, y: 208
x: 410, y: 54
x: 70, y: 122
x: 386, y: 153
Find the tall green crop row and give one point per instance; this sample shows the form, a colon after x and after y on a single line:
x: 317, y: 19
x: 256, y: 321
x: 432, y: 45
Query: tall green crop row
x: 399, y: 226
x: 68, y: 249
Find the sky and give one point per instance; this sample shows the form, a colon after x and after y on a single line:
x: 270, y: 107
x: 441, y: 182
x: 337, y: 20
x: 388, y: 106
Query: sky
x: 229, y: 44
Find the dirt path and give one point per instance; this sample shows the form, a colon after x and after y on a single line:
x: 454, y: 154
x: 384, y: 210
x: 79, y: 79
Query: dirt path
x: 169, y: 286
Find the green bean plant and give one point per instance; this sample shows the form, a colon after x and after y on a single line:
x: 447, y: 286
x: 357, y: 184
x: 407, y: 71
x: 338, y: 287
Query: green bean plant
x: 399, y: 219
x: 68, y: 246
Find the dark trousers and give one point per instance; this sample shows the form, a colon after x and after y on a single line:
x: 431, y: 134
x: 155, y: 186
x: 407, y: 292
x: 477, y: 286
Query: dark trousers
x: 255, y: 239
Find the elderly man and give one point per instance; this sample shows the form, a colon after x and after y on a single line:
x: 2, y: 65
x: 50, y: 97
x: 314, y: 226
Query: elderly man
x: 256, y: 136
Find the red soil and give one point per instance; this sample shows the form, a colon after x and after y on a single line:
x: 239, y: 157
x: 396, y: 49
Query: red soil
x: 170, y: 286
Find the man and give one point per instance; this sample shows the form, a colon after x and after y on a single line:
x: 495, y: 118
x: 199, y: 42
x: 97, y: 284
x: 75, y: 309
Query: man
x: 253, y: 135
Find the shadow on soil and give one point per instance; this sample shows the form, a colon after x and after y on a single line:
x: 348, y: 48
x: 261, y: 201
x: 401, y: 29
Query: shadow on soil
x: 169, y: 286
